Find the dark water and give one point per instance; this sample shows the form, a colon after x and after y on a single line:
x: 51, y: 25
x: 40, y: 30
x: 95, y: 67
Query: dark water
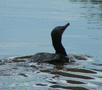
x: 25, y: 27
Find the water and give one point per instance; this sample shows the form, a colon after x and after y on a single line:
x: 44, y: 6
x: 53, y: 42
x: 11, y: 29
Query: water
x: 25, y: 27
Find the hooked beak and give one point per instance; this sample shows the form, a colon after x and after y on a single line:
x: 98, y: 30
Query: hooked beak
x: 65, y: 26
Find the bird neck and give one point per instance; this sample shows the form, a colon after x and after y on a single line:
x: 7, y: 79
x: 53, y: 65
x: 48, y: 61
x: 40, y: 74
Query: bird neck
x: 57, y: 44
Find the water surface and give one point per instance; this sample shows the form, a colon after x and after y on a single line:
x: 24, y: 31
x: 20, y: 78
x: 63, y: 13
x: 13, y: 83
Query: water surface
x: 25, y: 27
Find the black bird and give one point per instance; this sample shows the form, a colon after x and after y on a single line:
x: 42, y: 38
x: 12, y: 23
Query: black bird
x: 60, y: 54
x: 56, y: 35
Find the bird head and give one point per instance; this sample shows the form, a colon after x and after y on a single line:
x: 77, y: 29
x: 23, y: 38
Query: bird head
x: 58, y: 31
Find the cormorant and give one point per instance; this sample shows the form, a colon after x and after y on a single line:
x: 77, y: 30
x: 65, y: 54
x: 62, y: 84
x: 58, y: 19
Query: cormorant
x: 60, y: 54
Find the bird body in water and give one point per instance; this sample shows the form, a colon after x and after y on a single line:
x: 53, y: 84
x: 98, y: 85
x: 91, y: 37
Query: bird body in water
x: 60, y: 54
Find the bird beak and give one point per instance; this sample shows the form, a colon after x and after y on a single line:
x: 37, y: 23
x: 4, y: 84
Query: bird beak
x: 65, y: 26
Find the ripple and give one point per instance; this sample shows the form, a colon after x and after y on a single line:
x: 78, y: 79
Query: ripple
x: 73, y: 75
